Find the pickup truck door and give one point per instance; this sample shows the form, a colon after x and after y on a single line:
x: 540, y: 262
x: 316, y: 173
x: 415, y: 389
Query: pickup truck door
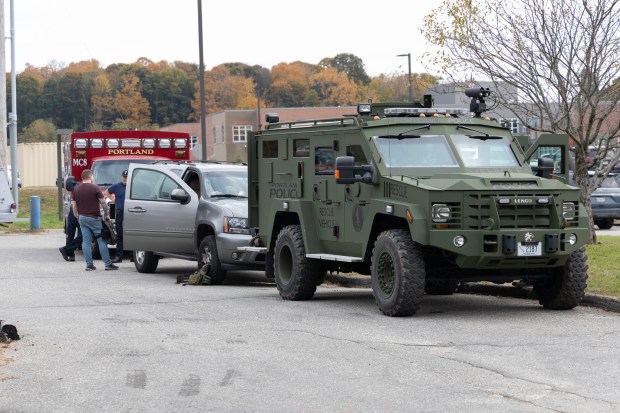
x: 153, y: 221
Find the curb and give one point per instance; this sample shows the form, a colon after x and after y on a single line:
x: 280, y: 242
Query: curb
x: 501, y: 290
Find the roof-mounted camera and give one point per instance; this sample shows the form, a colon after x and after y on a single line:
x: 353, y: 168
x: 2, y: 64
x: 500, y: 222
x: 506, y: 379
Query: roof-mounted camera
x: 477, y: 95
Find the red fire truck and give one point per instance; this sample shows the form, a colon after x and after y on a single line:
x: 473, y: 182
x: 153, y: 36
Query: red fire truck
x: 108, y: 153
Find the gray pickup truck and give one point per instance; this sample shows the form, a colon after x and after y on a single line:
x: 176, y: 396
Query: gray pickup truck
x: 190, y: 210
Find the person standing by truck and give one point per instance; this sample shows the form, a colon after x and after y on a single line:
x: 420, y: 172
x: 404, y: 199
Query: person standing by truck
x: 73, y: 241
x: 118, y: 192
x: 86, y: 200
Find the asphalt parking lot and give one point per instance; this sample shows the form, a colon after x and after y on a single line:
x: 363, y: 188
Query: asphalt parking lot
x: 121, y: 341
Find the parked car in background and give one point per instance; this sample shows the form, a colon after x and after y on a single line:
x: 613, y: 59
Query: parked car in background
x: 189, y: 210
x: 605, y: 200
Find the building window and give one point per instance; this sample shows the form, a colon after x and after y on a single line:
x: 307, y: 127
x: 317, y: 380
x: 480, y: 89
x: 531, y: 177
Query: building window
x: 223, y: 134
x: 193, y: 141
x: 511, y: 124
x: 214, y: 135
x: 240, y: 132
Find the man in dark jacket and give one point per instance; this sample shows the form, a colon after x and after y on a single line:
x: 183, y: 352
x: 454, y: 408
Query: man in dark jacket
x: 118, y: 191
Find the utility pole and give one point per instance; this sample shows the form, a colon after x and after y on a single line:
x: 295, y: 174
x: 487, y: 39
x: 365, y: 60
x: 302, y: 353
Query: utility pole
x: 201, y: 74
x: 13, y: 114
x: 409, y: 71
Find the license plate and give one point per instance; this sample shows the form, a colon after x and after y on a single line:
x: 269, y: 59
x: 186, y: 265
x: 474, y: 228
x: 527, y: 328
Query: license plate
x: 600, y: 199
x: 529, y: 249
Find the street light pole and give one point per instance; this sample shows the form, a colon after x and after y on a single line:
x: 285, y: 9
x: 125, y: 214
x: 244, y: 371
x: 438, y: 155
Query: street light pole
x: 201, y: 74
x: 409, y: 71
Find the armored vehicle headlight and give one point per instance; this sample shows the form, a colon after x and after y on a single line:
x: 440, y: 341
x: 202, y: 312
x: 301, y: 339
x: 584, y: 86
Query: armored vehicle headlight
x: 234, y: 225
x: 441, y: 213
x: 364, y: 108
x: 572, y: 239
x: 568, y: 210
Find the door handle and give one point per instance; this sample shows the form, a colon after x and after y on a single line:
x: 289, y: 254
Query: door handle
x: 138, y: 210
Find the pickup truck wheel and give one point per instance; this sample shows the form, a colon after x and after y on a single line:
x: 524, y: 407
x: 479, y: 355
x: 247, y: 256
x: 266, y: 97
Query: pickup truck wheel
x: 269, y: 271
x: 566, y: 286
x: 398, y: 273
x: 145, y: 261
x: 208, y: 256
x: 605, y: 223
x: 441, y: 287
x: 296, y: 276
x: 94, y: 250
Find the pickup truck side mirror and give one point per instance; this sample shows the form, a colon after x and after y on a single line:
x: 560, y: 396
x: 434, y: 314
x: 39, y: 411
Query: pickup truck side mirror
x: 180, y: 195
x: 349, y: 173
x: 70, y: 183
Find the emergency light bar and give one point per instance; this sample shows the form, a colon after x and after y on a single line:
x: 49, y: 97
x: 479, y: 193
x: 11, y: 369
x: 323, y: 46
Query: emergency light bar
x: 424, y: 112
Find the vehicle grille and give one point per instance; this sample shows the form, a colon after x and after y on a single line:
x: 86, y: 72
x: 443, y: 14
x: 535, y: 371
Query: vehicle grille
x: 478, y: 211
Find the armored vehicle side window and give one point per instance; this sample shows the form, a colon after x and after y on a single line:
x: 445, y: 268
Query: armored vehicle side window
x: 415, y: 151
x: 151, y: 185
x: 486, y: 153
x: 324, y: 160
x: 358, y: 155
x: 302, y: 148
x: 270, y: 149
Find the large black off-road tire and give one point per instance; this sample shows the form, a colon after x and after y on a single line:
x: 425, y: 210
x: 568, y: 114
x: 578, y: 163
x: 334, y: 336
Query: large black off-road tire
x: 145, y: 261
x: 605, y: 223
x: 207, y: 255
x: 296, y: 276
x: 398, y: 273
x: 441, y: 287
x: 566, y: 286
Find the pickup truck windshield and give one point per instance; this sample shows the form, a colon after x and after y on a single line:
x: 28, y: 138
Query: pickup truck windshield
x: 489, y: 153
x: 226, y: 184
x: 415, y: 151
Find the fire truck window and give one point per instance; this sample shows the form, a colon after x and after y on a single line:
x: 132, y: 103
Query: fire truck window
x: 270, y: 149
x: 151, y: 185
x: 324, y: 160
x: 358, y: 155
x: 302, y: 148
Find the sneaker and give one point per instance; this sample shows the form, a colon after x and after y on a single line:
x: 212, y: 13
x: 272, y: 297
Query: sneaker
x: 64, y: 253
x: 111, y: 267
x: 117, y: 260
x: 91, y: 268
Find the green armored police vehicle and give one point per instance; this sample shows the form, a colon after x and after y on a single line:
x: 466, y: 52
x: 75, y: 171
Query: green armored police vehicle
x: 418, y: 197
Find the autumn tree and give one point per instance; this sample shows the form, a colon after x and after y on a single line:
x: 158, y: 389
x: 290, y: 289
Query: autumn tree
x: 101, y: 102
x: 224, y: 91
x: 395, y: 87
x: 562, y: 56
x: 290, y: 84
x: 349, y: 64
x: 40, y: 130
x: 132, y: 108
x: 333, y: 88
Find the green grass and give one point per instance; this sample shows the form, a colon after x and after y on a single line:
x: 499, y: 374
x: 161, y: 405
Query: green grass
x: 603, y: 258
x: 604, y: 266
x: 49, y: 209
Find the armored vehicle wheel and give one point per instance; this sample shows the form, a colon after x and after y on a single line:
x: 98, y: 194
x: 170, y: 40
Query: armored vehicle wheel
x: 605, y: 223
x: 296, y: 276
x: 397, y: 273
x: 207, y: 255
x: 566, y: 287
x: 145, y: 261
x: 441, y: 287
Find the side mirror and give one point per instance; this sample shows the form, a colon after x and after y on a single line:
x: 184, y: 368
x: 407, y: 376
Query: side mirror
x: 70, y: 183
x: 348, y: 173
x: 545, y: 167
x: 180, y: 195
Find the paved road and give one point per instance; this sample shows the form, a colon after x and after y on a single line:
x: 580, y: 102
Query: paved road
x: 128, y: 342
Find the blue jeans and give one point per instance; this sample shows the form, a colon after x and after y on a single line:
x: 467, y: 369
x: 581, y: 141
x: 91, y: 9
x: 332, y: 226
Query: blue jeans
x: 91, y: 229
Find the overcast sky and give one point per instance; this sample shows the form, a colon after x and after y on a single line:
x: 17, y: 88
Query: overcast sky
x: 249, y: 31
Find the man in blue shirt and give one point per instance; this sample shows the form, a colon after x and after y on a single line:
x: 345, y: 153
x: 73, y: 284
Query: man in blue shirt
x: 118, y: 191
